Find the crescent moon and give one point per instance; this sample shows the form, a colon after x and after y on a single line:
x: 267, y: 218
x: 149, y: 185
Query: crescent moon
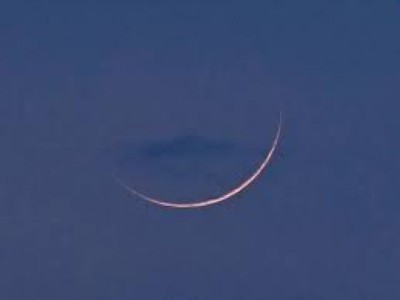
x: 225, y: 196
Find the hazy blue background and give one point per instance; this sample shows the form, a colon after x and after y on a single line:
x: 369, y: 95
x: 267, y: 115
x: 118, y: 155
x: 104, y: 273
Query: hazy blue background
x: 181, y: 99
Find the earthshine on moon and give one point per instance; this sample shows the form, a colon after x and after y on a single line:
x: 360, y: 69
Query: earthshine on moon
x: 225, y: 196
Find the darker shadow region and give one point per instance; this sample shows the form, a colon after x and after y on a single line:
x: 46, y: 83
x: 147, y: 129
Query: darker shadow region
x: 187, y: 146
x: 180, y: 148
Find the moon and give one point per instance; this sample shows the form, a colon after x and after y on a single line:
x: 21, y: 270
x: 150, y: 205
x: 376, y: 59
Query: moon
x: 224, y: 196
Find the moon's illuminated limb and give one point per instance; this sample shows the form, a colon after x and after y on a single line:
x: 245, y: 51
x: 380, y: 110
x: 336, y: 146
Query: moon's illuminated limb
x: 225, y: 196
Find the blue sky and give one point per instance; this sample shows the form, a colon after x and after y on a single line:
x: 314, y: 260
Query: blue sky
x: 85, y: 88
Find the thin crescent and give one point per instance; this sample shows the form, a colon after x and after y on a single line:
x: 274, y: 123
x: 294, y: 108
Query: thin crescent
x: 232, y: 192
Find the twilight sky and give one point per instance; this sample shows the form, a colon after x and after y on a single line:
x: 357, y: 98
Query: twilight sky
x: 182, y: 99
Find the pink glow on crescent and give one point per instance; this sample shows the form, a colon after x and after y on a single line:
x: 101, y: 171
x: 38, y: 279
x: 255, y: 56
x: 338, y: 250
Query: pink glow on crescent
x: 223, y: 197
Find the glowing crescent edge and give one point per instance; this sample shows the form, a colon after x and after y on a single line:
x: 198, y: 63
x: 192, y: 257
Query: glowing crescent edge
x: 211, y: 201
